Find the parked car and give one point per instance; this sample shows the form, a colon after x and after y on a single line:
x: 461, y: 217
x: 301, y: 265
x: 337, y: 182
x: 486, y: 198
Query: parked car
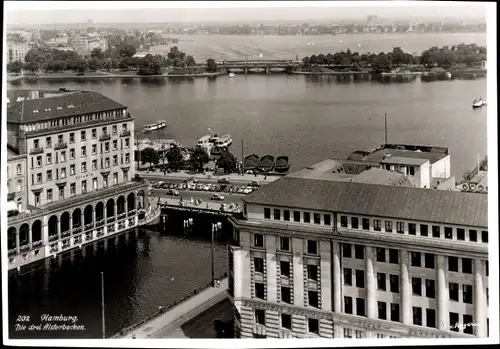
x: 217, y: 197
x: 199, y: 186
x: 240, y: 190
x: 255, y: 184
x: 227, y: 190
x: 206, y: 187
x: 173, y: 192
x: 247, y: 190
x: 191, y: 180
x: 223, y: 181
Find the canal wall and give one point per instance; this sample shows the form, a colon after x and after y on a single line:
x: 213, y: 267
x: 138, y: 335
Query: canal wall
x: 186, y: 307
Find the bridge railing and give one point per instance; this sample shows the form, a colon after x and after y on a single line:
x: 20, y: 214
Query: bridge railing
x: 162, y: 310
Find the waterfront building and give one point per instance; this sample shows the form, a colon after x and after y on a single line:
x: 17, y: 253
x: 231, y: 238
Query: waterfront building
x: 17, y: 50
x: 318, y: 253
x: 70, y: 168
x: 81, y: 44
x: 425, y: 166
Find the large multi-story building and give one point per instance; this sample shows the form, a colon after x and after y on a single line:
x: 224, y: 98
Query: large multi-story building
x: 75, y: 151
x: 17, y: 50
x: 316, y: 254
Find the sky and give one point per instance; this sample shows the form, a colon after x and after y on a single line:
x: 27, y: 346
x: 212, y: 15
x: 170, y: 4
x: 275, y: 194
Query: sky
x: 40, y: 12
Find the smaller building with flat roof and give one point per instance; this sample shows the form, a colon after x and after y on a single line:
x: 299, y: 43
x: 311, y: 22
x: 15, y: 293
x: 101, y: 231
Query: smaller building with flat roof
x: 424, y: 165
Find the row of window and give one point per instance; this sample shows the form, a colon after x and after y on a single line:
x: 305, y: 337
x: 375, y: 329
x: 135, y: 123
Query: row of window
x: 61, y: 193
x: 417, y: 315
x: 312, y: 269
x: 105, y: 148
x: 73, y: 120
x: 417, y: 259
x: 61, y: 173
x: 284, y: 245
x: 286, y: 321
x: 412, y: 228
x: 306, y: 216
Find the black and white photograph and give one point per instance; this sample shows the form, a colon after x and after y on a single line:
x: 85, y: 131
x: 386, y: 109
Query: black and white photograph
x: 207, y: 174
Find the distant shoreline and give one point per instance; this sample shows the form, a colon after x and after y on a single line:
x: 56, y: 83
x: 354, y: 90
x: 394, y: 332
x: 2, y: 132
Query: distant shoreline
x: 103, y: 75
x: 56, y: 76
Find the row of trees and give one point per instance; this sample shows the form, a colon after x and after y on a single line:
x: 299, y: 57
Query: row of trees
x: 197, y: 160
x: 54, y: 60
x: 446, y: 57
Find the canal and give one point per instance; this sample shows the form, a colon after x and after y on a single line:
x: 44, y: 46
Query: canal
x: 141, y: 273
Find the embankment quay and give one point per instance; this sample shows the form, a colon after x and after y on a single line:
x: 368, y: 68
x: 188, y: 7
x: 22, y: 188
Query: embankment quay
x: 168, y: 321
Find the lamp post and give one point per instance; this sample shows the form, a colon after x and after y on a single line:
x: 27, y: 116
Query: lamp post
x: 163, y: 157
x: 102, y: 306
x: 215, y: 228
x: 187, y: 223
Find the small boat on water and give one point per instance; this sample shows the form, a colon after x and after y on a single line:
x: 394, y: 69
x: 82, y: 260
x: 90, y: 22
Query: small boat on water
x: 282, y: 164
x: 155, y: 126
x: 477, y: 103
x: 231, y: 75
x: 266, y: 163
x: 448, y: 75
x: 251, y: 162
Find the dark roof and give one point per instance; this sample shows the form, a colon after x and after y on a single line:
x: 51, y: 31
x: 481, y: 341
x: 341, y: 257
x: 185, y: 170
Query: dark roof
x: 69, y: 104
x: 427, y: 205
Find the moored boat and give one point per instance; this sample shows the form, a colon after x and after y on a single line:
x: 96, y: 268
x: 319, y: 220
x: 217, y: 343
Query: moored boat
x: 231, y: 75
x: 477, y: 103
x: 251, y: 162
x: 282, y: 164
x: 266, y: 163
x: 155, y: 126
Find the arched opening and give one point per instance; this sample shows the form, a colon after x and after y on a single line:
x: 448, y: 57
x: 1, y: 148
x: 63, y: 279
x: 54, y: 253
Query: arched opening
x: 87, y: 215
x: 131, y: 202
x: 36, y: 230
x: 11, y: 236
x: 110, y: 208
x: 140, y: 199
x: 65, y: 222
x: 120, y: 204
x: 53, y: 228
x: 77, y: 218
x: 23, y: 234
x: 99, y: 211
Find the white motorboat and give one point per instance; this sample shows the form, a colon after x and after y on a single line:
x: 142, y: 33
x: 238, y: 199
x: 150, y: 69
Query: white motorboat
x: 477, y: 103
x: 155, y: 126
x: 231, y: 75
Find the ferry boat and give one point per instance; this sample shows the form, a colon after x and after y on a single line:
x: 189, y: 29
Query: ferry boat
x: 477, y: 103
x: 155, y: 126
x: 266, y: 163
x: 224, y: 141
